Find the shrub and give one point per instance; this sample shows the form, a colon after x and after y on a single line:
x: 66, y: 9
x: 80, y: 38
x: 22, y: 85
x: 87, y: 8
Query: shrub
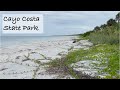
x: 107, y: 36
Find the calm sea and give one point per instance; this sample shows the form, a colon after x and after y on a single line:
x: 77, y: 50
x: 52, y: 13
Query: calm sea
x: 16, y: 40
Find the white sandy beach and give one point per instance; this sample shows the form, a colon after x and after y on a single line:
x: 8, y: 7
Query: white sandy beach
x: 21, y: 61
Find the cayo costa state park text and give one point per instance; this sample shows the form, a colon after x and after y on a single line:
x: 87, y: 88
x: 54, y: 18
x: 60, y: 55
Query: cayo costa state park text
x: 22, y: 23
x: 17, y: 19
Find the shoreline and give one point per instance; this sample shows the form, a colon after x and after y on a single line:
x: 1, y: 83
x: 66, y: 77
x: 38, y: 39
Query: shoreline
x: 11, y: 41
x: 28, y: 61
x: 16, y: 61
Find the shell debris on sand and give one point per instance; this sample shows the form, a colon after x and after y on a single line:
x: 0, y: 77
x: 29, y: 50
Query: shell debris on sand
x: 86, y: 67
x: 25, y: 61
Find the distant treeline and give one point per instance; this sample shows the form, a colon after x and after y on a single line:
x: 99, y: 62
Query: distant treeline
x: 105, y: 33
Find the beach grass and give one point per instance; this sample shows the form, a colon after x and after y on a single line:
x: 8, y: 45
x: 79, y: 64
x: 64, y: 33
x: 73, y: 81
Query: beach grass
x: 105, y: 49
x: 108, y: 55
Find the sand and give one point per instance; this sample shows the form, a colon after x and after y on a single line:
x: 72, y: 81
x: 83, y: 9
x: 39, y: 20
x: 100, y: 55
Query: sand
x: 26, y: 61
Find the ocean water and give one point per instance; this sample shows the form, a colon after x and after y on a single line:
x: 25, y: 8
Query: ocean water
x: 7, y: 41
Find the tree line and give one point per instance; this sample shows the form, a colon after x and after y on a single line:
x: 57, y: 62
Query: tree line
x: 110, y: 23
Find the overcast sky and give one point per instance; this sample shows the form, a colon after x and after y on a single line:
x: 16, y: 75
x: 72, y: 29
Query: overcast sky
x: 70, y: 22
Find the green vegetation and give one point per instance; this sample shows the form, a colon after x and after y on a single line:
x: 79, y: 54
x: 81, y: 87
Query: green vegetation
x: 108, y: 36
x: 108, y: 55
x: 105, y: 49
x: 61, y: 66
